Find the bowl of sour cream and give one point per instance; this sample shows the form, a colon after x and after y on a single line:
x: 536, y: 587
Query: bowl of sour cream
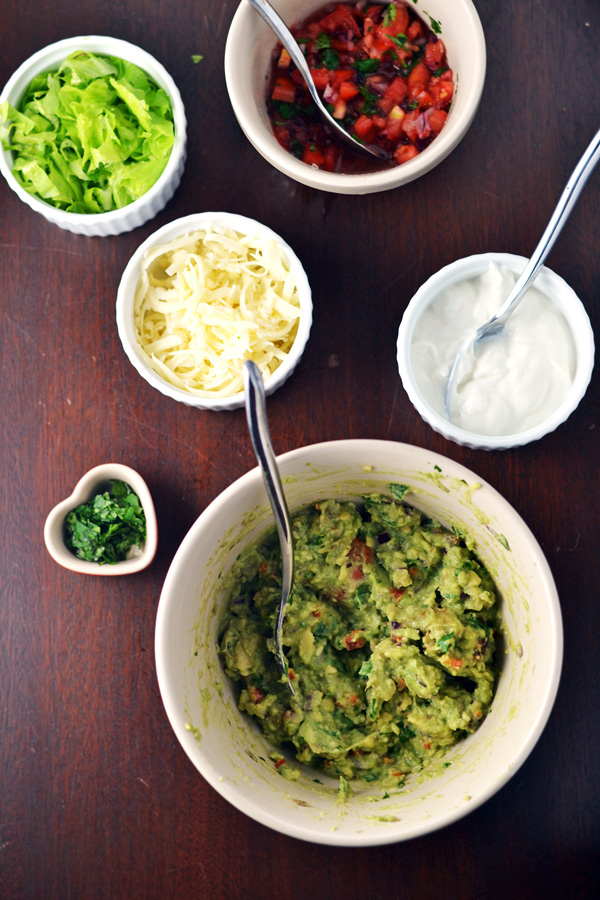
x: 524, y: 383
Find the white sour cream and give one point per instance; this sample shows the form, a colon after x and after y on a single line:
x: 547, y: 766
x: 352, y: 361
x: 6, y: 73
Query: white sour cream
x: 518, y: 379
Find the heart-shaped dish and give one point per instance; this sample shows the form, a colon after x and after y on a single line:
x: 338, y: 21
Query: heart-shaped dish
x: 93, y: 482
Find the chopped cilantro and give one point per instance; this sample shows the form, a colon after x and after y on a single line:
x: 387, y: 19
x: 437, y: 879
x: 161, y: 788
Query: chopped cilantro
x: 370, y: 100
x: 365, y: 668
x: 435, y: 25
x: 437, y: 468
x: 389, y: 16
x: 504, y: 542
x: 196, y: 58
x: 413, y: 105
x: 400, y: 39
x: 371, y: 776
x: 330, y: 59
x: 385, y: 796
x: 296, y: 148
x: 313, y: 149
x: 323, y: 41
x: 398, y: 490
x: 106, y: 527
x: 286, y: 110
x: 474, y: 622
x: 440, y: 71
x: 444, y: 642
x: 366, y: 66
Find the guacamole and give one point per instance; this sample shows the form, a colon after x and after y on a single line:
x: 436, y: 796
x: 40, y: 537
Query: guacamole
x: 389, y: 636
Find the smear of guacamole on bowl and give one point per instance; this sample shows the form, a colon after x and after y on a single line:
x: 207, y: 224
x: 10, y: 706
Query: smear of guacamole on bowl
x: 389, y: 636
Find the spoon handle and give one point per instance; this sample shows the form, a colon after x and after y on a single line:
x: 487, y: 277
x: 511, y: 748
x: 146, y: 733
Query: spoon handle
x: 568, y: 199
x: 258, y: 426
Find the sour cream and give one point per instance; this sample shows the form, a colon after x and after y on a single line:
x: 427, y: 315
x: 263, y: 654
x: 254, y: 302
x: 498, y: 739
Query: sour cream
x: 518, y: 379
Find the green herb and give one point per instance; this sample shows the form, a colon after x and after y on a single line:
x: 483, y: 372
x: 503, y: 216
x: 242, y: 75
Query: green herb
x: 389, y: 16
x: 369, y: 106
x: 362, y: 593
x: 386, y: 796
x: 196, y: 58
x: 302, y: 40
x: 444, y: 642
x: 313, y: 149
x: 316, y: 781
x: 440, y: 71
x: 413, y: 105
x: 285, y: 110
x: 320, y: 630
x: 435, y: 25
x: 365, y: 668
x: 398, y: 490
x: 401, y: 40
x: 323, y: 41
x: 330, y: 59
x: 106, y: 527
x: 503, y: 541
x: 90, y: 137
x: 446, y: 765
x: 373, y: 709
x: 474, y: 622
x: 437, y: 468
x: 366, y: 66
x: 371, y: 776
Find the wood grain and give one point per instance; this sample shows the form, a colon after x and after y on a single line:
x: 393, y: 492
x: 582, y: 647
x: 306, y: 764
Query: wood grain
x: 97, y: 799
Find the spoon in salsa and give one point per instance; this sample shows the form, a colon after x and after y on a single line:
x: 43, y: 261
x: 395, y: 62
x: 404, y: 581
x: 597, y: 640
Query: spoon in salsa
x: 256, y: 413
x: 463, y: 364
x: 278, y: 26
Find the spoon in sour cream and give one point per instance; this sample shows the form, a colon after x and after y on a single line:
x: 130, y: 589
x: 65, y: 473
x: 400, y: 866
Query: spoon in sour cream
x: 463, y: 365
x: 278, y: 26
x: 256, y: 413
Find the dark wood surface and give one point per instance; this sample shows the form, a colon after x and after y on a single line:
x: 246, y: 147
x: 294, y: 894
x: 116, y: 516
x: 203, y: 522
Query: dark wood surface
x: 97, y: 799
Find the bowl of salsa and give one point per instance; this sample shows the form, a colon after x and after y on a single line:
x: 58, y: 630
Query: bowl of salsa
x: 396, y: 77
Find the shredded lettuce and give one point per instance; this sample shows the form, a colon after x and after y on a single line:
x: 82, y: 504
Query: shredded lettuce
x: 91, y: 137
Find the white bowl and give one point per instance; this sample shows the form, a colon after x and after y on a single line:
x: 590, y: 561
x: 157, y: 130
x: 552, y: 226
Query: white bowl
x: 88, y: 486
x: 550, y: 284
x: 248, y: 54
x: 230, y: 751
x: 153, y: 201
x: 126, y: 302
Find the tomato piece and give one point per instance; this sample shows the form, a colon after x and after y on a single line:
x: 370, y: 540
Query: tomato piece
x: 320, y: 78
x: 419, y: 73
x: 414, y: 31
x: 340, y: 21
x: 332, y: 157
x: 442, y: 93
x: 284, y: 90
x: 455, y: 663
x: 348, y: 90
x: 434, y: 54
x: 354, y: 640
x: 312, y: 155
x: 397, y: 91
x: 379, y: 122
x: 255, y: 694
x: 363, y: 128
x: 437, y: 120
x: 341, y: 75
x: 405, y: 152
x: 359, y: 551
x: 399, y: 24
x: 424, y: 99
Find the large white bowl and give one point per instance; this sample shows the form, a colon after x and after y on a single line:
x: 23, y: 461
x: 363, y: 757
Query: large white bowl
x: 230, y: 752
x: 552, y: 286
x: 248, y: 54
x: 126, y: 305
x: 153, y: 201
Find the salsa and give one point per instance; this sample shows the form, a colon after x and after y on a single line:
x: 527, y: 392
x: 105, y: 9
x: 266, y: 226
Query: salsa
x: 389, y: 637
x: 381, y: 71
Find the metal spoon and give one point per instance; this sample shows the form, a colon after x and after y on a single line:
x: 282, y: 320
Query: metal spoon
x: 463, y: 363
x: 276, y: 23
x: 258, y: 426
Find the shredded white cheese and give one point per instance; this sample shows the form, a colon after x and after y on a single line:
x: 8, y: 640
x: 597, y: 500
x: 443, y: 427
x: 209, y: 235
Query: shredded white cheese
x: 208, y: 301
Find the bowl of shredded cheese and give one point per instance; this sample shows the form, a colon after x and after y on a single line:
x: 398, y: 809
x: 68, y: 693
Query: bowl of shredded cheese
x: 204, y: 294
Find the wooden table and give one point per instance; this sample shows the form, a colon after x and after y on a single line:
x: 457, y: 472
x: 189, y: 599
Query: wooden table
x: 97, y: 798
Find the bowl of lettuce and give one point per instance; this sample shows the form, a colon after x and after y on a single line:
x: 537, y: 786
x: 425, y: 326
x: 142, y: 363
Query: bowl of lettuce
x: 93, y: 135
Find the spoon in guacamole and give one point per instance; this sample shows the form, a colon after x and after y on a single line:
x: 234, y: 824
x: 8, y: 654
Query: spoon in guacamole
x: 462, y: 366
x: 258, y: 426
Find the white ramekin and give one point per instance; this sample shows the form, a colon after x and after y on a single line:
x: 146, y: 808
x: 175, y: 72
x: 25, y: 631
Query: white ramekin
x: 93, y: 482
x: 248, y: 54
x: 556, y: 289
x: 146, y: 207
x: 233, y: 755
x: 126, y: 303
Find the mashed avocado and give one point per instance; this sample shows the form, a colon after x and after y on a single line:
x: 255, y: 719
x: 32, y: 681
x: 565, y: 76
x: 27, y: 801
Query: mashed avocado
x: 389, y: 635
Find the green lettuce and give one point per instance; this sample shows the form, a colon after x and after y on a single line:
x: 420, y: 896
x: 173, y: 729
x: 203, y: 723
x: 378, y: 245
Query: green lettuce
x: 91, y: 137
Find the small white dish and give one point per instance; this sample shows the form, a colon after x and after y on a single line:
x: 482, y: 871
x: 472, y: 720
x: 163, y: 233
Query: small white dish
x: 92, y: 483
x: 554, y: 287
x: 248, y: 55
x: 153, y: 201
x: 126, y: 304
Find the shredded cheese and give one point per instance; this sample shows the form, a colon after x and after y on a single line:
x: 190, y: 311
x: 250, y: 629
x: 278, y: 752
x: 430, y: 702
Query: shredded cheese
x: 208, y: 301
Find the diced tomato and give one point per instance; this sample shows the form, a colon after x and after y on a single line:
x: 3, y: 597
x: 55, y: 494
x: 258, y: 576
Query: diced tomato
x: 279, y: 763
x: 363, y: 128
x: 405, y: 152
x: 379, y: 122
x: 442, y: 93
x: 414, y: 31
x: 320, y: 78
x: 284, y: 90
x: 359, y: 552
x: 348, y: 90
x: 437, y: 120
x: 340, y: 20
x: 427, y: 745
x: 455, y: 663
x: 312, y: 155
x: 356, y: 573
x: 419, y: 73
x: 282, y: 135
x: 341, y: 75
x: 397, y: 91
x: 434, y: 54
x: 398, y: 25
x: 398, y: 592
x: 332, y: 157
x: 255, y: 694
x: 411, y: 126
x: 316, y: 613
x: 424, y: 99
x: 394, y: 128
x: 291, y: 674
x: 352, y: 698
x: 354, y: 640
